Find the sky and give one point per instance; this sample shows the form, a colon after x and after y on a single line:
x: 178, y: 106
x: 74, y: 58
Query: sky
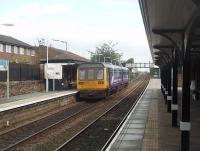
x: 84, y: 24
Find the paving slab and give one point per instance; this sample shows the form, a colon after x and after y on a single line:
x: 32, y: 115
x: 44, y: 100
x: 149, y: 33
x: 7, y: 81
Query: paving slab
x: 131, y: 134
x: 148, y: 127
x: 159, y: 134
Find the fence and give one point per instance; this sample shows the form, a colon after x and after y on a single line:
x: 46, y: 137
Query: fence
x: 21, y: 72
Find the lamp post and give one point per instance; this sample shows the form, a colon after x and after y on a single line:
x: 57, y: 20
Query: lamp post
x: 47, y: 80
x: 65, y: 42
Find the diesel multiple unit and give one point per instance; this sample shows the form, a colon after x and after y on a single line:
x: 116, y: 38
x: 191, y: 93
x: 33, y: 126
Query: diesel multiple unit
x: 98, y: 80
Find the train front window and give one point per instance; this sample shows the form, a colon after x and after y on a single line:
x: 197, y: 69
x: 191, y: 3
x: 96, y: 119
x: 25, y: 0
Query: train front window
x: 91, y: 74
x: 82, y: 74
x: 99, y: 74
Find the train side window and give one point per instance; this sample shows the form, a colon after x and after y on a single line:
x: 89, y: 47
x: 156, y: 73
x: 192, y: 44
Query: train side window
x: 82, y: 74
x: 99, y: 74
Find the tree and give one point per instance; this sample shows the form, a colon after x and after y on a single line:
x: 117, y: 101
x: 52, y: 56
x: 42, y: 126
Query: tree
x: 41, y: 42
x: 106, y: 52
x: 24, y: 60
x: 130, y: 60
x: 13, y: 59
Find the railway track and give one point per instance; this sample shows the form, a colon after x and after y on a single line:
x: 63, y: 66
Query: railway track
x: 97, y: 134
x: 17, y: 138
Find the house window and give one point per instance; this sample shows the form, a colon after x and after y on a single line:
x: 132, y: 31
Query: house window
x: 28, y: 52
x: 15, y: 50
x: 32, y: 52
x: 1, y: 47
x: 21, y: 50
x: 8, y: 48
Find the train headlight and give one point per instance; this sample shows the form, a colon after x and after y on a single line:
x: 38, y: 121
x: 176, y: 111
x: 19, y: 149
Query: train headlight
x: 100, y: 82
x: 80, y: 83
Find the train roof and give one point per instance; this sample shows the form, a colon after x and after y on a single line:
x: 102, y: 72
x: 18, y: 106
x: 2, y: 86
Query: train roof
x: 107, y: 65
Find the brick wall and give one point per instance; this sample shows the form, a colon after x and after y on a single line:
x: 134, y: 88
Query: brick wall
x: 21, y: 87
x: 17, y: 58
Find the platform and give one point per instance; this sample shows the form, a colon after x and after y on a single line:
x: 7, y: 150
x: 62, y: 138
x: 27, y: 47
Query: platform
x: 148, y: 127
x: 33, y: 98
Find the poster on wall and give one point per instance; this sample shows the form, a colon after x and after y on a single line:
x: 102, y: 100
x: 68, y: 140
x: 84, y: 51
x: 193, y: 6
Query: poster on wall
x: 53, y: 71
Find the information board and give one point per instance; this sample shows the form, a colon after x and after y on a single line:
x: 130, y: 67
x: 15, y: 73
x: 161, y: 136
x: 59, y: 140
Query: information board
x: 54, y: 71
x: 3, y: 65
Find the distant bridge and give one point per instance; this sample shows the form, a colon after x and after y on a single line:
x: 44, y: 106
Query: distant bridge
x: 140, y: 65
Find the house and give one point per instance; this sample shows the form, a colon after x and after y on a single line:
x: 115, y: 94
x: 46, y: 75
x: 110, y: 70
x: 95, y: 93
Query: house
x: 16, y: 51
x: 57, y: 55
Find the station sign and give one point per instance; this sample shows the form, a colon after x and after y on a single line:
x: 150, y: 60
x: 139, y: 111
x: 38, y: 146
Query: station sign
x: 3, y: 65
x: 53, y: 71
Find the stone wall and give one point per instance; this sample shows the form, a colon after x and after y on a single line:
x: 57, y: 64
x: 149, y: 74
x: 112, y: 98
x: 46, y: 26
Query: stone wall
x: 17, y: 117
x: 21, y: 87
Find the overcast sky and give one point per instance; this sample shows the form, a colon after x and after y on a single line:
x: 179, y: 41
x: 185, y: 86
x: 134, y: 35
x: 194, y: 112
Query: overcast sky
x: 82, y: 23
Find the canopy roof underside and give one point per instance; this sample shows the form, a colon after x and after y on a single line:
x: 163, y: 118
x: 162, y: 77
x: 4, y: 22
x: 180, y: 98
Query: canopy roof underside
x: 166, y: 15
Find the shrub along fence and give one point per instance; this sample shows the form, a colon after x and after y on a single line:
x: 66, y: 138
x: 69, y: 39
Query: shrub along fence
x: 21, y: 72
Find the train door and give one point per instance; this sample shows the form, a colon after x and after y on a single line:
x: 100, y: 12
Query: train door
x: 108, y: 77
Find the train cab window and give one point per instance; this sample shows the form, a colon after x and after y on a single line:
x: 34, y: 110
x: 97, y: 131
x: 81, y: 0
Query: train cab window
x: 91, y: 74
x: 99, y: 74
x: 82, y: 74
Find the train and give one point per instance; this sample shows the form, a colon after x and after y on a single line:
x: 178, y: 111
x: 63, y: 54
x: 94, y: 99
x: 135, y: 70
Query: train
x: 99, y: 80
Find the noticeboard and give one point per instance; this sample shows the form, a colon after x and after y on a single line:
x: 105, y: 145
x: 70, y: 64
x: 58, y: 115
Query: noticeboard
x: 3, y: 65
x: 54, y: 71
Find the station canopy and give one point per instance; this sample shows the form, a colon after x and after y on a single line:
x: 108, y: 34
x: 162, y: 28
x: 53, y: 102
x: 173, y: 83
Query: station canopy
x: 167, y: 16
